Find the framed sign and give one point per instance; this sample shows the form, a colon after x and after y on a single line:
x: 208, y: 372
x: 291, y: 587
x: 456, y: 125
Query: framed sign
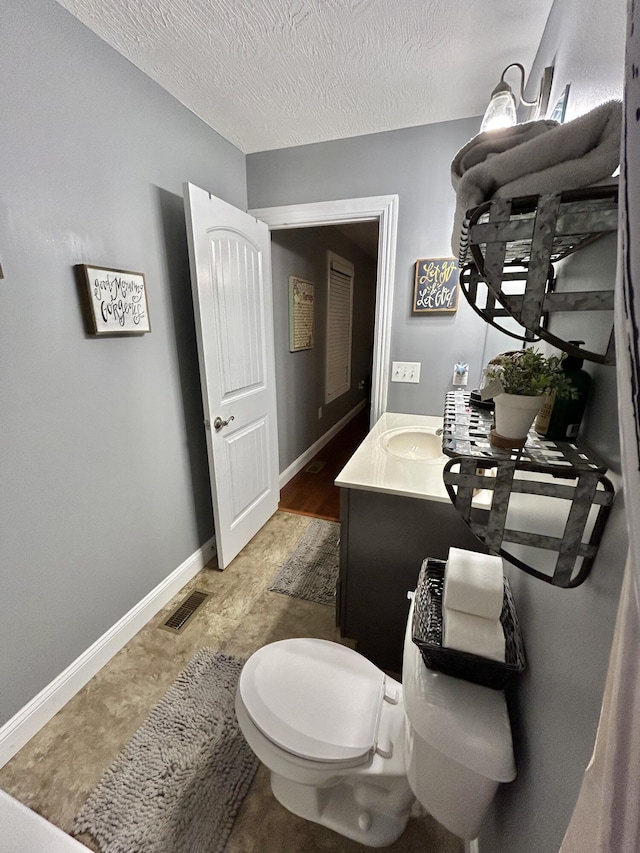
x: 436, y: 286
x: 558, y: 112
x: 300, y: 314
x: 115, y: 301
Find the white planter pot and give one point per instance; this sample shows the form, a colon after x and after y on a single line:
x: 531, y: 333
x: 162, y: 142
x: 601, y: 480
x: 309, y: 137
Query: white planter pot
x: 514, y: 415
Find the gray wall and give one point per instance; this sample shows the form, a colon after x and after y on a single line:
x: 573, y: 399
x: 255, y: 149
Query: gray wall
x: 104, y: 479
x: 414, y: 163
x: 300, y: 376
x: 568, y: 633
x: 584, y: 41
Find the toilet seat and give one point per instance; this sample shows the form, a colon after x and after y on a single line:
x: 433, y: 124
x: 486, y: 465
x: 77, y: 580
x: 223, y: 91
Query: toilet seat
x: 315, y: 699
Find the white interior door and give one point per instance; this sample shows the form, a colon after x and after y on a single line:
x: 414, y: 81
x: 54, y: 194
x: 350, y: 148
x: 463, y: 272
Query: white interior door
x: 229, y: 254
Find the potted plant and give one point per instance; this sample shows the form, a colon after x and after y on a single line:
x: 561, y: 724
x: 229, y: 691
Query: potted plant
x: 525, y: 377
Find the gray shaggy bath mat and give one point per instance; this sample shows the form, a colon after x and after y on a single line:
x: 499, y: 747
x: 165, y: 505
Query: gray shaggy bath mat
x: 178, y: 784
x: 311, y: 571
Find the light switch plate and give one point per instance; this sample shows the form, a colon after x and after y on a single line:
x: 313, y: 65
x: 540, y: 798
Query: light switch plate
x: 405, y: 371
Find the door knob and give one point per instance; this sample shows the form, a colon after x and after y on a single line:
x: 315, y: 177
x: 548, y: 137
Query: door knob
x: 219, y: 423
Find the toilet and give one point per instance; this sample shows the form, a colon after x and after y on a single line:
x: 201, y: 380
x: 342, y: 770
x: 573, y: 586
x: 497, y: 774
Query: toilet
x: 351, y: 748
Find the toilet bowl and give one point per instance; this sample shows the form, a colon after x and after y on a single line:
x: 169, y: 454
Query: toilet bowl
x: 351, y: 748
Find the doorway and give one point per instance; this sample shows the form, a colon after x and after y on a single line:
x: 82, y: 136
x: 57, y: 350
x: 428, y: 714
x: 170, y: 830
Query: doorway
x: 384, y: 210
x: 336, y: 356
x: 368, y: 227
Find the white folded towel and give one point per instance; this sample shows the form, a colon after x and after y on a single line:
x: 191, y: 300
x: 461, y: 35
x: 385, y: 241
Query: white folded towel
x: 473, y: 583
x: 536, y: 158
x: 473, y: 634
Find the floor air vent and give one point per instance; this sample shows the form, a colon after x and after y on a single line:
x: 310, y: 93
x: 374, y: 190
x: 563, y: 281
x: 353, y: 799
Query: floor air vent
x: 183, y: 612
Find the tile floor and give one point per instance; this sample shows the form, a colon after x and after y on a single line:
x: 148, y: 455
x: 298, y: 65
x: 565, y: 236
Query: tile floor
x: 54, y: 773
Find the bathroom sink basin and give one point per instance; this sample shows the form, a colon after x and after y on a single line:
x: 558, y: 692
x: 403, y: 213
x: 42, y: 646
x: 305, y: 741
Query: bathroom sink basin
x: 422, y: 445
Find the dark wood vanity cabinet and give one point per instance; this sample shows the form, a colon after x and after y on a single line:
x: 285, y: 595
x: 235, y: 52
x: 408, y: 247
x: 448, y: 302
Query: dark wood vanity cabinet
x: 383, y: 541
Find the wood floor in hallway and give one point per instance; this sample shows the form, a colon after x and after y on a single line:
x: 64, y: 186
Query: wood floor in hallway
x: 311, y: 491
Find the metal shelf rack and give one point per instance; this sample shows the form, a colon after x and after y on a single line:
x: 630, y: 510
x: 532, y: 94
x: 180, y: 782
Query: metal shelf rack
x: 511, y: 245
x: 534, y: 470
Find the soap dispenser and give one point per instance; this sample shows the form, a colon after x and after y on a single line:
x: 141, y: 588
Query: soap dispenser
x: 566, y: 414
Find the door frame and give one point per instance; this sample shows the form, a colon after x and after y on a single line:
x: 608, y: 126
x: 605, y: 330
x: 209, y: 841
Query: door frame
x: 384, y: 210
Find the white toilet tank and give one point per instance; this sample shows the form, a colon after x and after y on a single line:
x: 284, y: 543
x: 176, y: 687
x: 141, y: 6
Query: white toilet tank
x: 458, y: 746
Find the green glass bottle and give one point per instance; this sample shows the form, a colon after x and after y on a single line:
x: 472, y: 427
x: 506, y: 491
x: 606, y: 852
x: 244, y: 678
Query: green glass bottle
x: 566, y: 415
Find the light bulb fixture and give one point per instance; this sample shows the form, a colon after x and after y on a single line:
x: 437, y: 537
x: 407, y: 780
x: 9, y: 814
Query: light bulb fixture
x: 501, y: 111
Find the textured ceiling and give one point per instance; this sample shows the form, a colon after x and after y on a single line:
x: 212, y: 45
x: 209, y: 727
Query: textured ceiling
x: 275, y: 73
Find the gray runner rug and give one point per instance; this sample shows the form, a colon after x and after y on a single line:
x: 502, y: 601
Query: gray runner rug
x: 311, y: 571
x: 178, y: 784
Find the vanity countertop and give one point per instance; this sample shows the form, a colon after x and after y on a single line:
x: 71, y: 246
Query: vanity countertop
x: 375, y: 469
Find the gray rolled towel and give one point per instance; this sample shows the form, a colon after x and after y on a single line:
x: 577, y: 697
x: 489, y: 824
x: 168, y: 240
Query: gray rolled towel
x: 536, y: 158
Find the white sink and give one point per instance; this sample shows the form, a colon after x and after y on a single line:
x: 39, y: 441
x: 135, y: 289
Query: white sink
x: 422, y: 445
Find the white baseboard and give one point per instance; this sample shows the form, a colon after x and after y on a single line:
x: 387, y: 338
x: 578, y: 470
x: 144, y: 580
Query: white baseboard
x: 296, y: 466
x: 30, y: 719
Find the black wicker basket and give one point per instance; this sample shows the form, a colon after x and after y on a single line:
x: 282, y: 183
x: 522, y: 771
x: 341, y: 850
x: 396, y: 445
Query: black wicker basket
x: 427, y: 634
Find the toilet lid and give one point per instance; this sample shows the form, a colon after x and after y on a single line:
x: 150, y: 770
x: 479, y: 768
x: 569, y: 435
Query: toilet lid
x: 314, y: 698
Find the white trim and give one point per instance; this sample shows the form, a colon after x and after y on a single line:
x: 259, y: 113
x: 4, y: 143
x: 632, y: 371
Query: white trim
x: 36, y: 713
x: 472, y: 846
x: 338, y: 212
x: 296, y: 466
